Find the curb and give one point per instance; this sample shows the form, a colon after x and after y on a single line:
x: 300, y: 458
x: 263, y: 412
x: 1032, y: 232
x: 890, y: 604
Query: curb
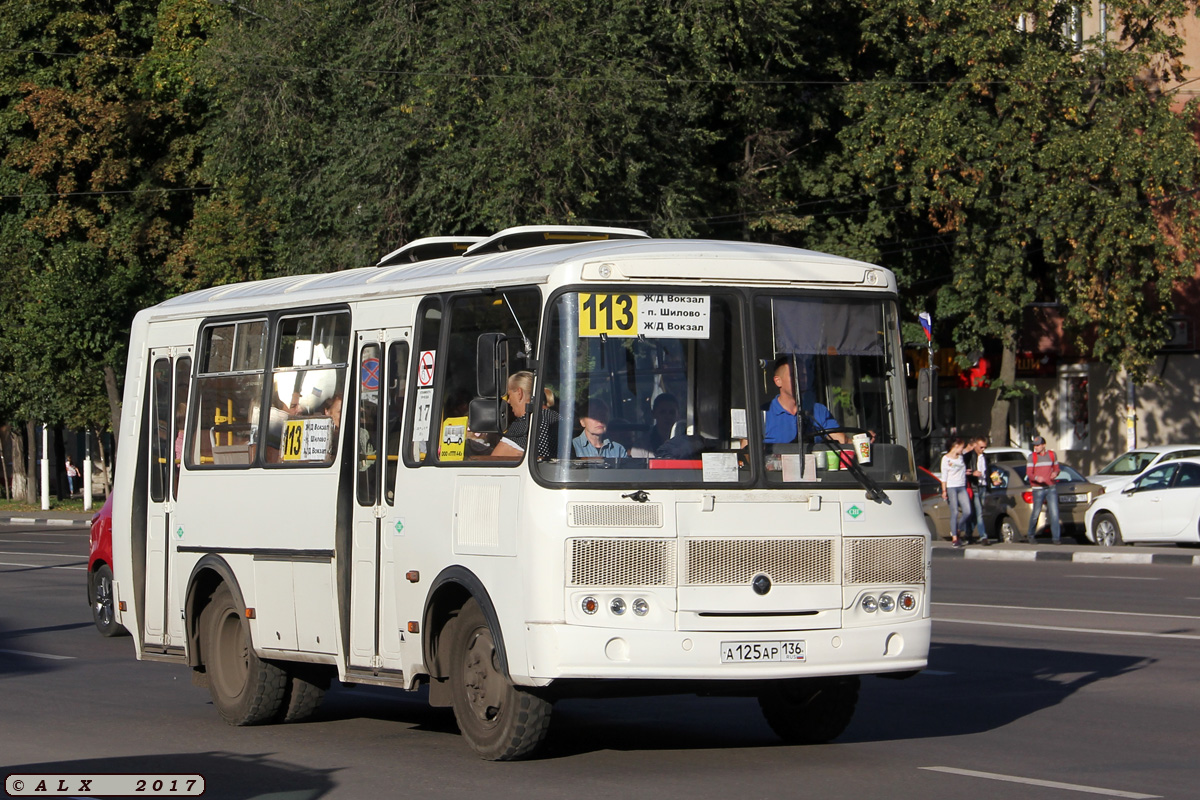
x: 60, y: 523
x: 993, y: 554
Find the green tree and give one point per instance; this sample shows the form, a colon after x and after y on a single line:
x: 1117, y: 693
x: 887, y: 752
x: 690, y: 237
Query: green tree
x: 98, y: 119
x: 371, y: 124
x: 993, y: 160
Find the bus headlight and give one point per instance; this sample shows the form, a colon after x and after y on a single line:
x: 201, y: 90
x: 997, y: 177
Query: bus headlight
x: 887, y: 603
x: 908, y: 601
x: 590, y: 605
x: 870, y: 604
x: 617, y: 606
x: 641, y: 607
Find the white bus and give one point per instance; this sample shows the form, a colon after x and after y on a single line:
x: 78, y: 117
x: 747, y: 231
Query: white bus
x: 511, y: 473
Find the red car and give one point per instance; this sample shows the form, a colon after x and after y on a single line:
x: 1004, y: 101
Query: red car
x: 100, y: 577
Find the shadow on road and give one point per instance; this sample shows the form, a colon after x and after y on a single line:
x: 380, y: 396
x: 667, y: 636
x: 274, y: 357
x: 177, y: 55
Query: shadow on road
x: 987, y: 687
x: 230, y: 776
x: 971, y: 689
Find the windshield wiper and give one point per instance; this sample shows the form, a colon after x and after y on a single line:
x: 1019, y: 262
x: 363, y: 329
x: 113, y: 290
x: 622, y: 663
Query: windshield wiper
x: 874, y: 492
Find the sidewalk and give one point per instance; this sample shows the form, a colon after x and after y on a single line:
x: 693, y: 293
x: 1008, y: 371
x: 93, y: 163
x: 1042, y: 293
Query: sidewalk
x: 1077, y: 553
x: 70, y: 519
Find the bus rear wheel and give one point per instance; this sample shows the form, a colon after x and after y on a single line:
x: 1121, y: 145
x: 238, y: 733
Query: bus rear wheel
x: 810, y: 710
x: 500, y: 721
x: 306, y: 687
x: 245, y: 689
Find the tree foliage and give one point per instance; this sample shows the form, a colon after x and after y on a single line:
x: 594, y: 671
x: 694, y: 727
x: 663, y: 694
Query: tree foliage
x: 982, y: 151
x: 995, y: 160
x: 98, y: 126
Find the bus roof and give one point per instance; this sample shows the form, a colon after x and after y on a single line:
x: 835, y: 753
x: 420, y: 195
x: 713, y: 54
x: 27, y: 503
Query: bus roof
x: 649, y: 261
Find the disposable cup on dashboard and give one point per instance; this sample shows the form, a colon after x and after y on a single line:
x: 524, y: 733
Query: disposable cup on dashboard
x: 831, y: 460
x: 862, y: 448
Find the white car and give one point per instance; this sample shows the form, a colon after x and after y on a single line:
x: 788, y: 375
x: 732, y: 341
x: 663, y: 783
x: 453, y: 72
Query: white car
x: 1122, y: 471
x: 1007, y: 454
x: 1161, y: 505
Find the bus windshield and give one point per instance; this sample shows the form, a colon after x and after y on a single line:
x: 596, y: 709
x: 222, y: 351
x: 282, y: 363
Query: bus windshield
x: 666, y: 389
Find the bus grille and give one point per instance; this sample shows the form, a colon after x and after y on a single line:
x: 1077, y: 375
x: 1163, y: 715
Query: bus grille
x: 622, y: 562
x: 884, y: 559
x: 614, y: 515
x: 738, y: 561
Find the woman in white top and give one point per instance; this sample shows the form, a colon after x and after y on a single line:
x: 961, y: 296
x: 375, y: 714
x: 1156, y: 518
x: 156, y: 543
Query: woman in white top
x: 954, y: 489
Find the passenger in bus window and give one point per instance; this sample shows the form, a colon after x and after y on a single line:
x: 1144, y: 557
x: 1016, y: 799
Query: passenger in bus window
x: 519, y: 396
x: 665, y: 413
x: 593, y: 415
x: 779, y: 421
x: 333, y: 410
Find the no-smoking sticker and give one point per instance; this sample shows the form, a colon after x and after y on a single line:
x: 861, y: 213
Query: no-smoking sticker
x: 425, y: 368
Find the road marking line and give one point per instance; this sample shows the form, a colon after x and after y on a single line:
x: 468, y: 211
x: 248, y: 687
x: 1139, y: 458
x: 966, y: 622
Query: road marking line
x: 37, y: 566
x: 1072, y: 610
x: 38, y: 655
x: 1195, y: 637
x: 1072, y: 787
x: 1116, y: 577
x: 48, y: 555
x: 938, y: 672
x: 1113, y: 558
x: 1001, y: 555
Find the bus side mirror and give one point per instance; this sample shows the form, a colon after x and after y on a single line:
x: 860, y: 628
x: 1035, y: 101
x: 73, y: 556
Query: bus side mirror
x: 485, y: 414
x: 926, y: 395
x: 491, y: 364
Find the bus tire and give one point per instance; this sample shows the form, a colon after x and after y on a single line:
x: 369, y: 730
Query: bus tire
x: 306, y: 689
x: 500, y: 721
x: 103, y: 613
x: 810, y: 710
x: 245, y: 689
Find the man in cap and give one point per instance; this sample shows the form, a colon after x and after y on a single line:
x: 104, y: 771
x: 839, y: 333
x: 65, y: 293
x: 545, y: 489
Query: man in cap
x: 1041, y: 471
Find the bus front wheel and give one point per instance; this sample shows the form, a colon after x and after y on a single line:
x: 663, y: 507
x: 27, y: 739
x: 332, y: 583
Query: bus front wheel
x: 245, y: 689
x: 810, y: 710
x: 500, y: 721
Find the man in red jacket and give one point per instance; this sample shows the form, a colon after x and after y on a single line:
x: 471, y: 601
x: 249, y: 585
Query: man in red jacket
x: 1041, y: 471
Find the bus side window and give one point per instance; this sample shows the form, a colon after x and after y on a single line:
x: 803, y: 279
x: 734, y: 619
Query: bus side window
x: 424, y: 374
x: 309, y: 365
x: 513, y: 313
x: 229, y: 384
x: 397, y: 363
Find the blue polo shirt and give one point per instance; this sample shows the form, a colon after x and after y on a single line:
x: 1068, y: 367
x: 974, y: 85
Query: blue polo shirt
x: 779, y: 427
x: 608, y: 449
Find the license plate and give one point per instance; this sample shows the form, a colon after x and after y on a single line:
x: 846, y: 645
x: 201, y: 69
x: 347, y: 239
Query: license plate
x: 1072, y: 498
x: 748, y: 652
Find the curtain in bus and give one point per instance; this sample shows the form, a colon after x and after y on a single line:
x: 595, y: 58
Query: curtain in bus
x: 810, y: 326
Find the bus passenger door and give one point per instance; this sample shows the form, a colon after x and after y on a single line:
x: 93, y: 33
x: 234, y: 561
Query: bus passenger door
x: 374, y: 626
x: 170, y: 374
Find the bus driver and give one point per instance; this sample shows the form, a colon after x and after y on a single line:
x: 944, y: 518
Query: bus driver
x: 780, y: 415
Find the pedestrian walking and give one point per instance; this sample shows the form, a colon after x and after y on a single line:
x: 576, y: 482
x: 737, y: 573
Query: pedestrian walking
x: 72, y: 474
x: 1041, y: 471
x: 954, y: 490
x: 976, y: 463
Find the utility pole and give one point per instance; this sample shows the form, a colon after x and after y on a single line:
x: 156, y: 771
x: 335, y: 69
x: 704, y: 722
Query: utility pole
x: 1130, y: 412
x: 87, y: 470
x: 45, y: 467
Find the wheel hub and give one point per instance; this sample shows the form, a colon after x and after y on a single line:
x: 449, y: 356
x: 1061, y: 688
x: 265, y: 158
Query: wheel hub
x: 481, y: 679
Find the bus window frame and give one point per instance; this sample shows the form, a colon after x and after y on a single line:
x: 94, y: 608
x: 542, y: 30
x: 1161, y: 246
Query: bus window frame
x: 740, y: 303
x: 348, y: 398
x: 193, y: 424
x: 446, y: 302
